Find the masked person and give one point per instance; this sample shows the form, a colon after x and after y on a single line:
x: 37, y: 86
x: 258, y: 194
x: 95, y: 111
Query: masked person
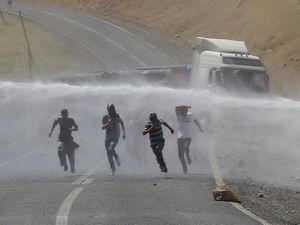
x: 184, y: 138
x: 111, y: 124
x: 157, y: 141
x: 67, y: 145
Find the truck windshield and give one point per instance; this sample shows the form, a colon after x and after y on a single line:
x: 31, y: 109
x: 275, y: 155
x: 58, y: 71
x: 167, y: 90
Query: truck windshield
x: 243, y: 80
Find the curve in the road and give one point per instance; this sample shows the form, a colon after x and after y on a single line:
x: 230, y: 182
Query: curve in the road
x: 134, y: 37
x: 99, y: 34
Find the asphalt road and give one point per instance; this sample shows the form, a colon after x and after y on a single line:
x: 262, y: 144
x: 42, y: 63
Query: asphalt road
x: 32, y: 195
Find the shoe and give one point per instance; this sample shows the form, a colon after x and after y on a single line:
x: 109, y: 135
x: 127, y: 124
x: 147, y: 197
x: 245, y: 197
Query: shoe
x: 118, y: 162
x: 164, y: 169
x: 113, y: 173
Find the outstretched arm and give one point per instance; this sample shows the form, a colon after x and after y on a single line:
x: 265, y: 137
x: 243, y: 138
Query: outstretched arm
x: 169, y: 127
x: 53, y: 126
x: 198, y: 125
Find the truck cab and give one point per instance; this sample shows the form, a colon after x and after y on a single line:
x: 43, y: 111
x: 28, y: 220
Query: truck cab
x: 227, y: 64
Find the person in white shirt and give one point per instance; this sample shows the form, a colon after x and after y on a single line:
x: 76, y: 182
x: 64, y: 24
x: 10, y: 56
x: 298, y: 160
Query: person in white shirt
x: 184, y: 138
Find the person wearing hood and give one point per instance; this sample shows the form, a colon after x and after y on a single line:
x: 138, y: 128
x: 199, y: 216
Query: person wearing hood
x: 111, y: 124
x: 157, y: 141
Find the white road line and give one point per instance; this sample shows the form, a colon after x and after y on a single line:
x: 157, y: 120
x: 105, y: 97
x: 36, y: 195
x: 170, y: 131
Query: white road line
x: 219, y: 180
x: 214, y: 164
x: 64, y: 210
x: 250, y: 214
x: 135, y: 37
x: 98, y: 33
x: 84, y: 177
x: 88, y: 180
x: 65, y: 34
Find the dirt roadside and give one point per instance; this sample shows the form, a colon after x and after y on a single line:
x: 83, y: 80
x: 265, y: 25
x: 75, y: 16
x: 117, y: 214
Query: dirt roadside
x: 269, y: 27
x: 53, y: 54
x: 276, y: 204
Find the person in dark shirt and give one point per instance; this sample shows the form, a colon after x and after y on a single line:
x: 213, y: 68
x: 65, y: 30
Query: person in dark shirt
x: 111, y: 124
x: 67, y: 145
x: 157, y: 141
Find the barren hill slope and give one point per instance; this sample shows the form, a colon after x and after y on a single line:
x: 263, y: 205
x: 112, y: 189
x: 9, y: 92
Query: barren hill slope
x: 271, y: 28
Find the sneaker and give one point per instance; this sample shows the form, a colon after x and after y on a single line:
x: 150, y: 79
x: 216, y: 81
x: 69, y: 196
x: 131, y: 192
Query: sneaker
x: 164, y: 169
x: 118, y: 162
x: 113, y: 173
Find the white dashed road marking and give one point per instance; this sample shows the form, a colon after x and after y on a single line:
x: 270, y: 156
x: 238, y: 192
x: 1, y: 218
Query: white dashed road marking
x: 63, y: 213
x: 83, y: 178
x: 88, y: 181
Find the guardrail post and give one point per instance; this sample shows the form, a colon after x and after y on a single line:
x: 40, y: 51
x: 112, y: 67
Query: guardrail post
x: 30, y: 58
x: 3, y: 18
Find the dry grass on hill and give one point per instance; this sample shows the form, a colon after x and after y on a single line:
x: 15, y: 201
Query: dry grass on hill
x: 52, y: 55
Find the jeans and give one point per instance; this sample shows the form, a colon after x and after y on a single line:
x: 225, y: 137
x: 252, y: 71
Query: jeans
x: 111, y: 153
x: 184, y: 149
x: 64, y: 150
x: 157, y: 150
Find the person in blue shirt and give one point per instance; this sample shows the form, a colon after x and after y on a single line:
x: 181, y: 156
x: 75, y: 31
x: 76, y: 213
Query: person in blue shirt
x: 111, y: 124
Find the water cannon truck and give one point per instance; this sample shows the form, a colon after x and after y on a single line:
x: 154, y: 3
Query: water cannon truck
x: 217, y: 64
x: 220, y: 63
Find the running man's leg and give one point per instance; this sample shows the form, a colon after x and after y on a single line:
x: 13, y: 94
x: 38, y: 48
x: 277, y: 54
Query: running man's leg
x: 110, y: 156
x: 180, y: 144
x: 62, y: 156
x: 112, y: 147
x: 157, y: 150
x: 187, y: 144
x: 71, y: 157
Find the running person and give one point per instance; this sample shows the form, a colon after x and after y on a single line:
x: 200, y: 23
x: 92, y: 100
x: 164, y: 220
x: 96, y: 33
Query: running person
x: 67, y: 146
x: 184, y: 137
x: 111, y: 124
x: 157, y: 141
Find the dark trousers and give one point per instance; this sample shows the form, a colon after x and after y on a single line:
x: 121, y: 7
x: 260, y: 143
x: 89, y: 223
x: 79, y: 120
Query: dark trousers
x: 157, y: 149
x: 110, y: 146
x: 184, y: 150
x: 63, y: 152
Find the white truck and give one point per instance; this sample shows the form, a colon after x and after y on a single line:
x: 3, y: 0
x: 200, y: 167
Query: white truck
x: 227, y: 64
x: 217, y: 63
